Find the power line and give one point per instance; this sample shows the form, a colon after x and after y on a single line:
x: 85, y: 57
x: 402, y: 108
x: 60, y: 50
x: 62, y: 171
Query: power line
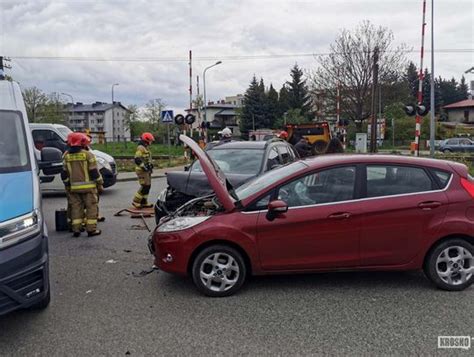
x: 210, y: 58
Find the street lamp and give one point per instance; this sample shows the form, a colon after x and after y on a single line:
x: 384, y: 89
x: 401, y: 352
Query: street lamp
x: 204, y: 85
x: 72, y: 101
x: 113, y: 111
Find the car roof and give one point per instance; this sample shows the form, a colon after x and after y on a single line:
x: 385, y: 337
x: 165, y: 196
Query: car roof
x: 10, y: 96
x: 46, y: 125
x: 341, y: 159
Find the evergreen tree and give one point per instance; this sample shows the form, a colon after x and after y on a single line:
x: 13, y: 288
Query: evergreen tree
x: 298, y: 96
x: 283, y: 105
x: 271, y: 107
x: 411, y: 76
x: 253, y: 108
x: 463, y: 89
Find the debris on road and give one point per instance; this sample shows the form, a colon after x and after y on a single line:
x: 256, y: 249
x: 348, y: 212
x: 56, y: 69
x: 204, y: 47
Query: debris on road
x: 111, y: 261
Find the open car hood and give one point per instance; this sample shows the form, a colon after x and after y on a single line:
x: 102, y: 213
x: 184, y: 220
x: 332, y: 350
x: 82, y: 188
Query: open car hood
x: 216, y: 177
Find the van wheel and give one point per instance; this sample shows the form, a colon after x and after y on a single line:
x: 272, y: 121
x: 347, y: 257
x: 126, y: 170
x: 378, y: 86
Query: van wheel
x: 219, y: 271
x: 450, y: 265
x: 42, y: 304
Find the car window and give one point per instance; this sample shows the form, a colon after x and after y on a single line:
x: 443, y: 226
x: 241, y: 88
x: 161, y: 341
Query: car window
x: 452, y: 142
x: 443, y: 177
x: 285, y: 154
x: 13, y: 144
x: 327, y: 186
x: 234, y: 161
x: 267, y: 179
x: 465, y: 142
x: 387, y: 180
x: 273, y: 159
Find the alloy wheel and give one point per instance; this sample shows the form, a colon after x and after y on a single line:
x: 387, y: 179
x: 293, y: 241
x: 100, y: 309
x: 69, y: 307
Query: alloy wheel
x: 455, y: 265
x: 219, y: 272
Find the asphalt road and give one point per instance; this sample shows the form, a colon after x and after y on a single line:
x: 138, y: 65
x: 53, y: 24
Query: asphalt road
x: 101, y: 308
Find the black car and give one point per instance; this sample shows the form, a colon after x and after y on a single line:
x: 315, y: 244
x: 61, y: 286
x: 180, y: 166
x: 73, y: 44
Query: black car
x: 239, y: 160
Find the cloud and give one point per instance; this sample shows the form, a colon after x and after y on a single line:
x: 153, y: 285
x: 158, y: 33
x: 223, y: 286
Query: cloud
x: 111, y: 29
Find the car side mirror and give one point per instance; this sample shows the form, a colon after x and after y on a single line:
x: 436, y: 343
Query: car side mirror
x: 276, y: 209
x: 186, y: 168
x: 51, y: 161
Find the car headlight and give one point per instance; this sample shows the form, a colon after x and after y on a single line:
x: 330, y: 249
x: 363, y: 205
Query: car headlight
x: 104, y: 163
x: 181, y: 223
x: 19, y: 228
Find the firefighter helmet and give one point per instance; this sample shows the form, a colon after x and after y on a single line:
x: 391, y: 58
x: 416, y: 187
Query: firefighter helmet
x: 76, y: 139
x: 147, y: 138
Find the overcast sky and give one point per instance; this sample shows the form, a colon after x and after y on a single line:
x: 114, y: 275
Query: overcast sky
x: 213, y: 30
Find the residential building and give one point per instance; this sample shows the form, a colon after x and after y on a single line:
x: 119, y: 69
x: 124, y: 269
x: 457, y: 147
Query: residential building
x: 106, y: 118
x: 221, y: 114
x: 461, y: 112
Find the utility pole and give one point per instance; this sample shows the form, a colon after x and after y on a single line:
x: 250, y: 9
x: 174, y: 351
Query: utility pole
x: 420, y: 84
x: 373, y: 125
x: 190, y: 90
x: 3, y: 65
x: 432, y: 92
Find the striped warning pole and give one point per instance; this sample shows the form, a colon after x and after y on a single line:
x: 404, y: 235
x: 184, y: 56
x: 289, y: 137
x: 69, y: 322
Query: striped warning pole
x: 420, y: 84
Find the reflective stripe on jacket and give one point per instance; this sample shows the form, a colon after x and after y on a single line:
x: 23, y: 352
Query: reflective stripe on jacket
x: 142, y: 158
x: 80, y: 166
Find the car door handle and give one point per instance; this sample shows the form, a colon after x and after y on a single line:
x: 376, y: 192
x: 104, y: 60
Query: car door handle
x: 340, y: 215
x: 429, y: 205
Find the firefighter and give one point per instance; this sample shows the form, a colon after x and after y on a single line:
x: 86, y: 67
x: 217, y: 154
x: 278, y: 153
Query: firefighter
x: 81, y: 177
x: 100, y: 187
x: 283, y: 135
x: 143, y: 169
x: 226, y: 135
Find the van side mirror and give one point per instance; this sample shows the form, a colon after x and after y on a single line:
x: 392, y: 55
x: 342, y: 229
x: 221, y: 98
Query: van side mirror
x: 51, y: 161
x: 276, y: 209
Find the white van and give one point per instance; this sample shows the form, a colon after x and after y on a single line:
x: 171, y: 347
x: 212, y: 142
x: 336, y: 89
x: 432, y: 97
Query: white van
x: 55, y: 135
x: 24, y: 277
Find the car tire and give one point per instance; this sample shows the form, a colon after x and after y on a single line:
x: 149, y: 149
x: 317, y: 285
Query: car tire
x: 447, y: 263
x: 43, y: 303
x: 447, y: 151
x: 219, y: 271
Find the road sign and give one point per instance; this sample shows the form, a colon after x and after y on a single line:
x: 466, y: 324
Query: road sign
x: 167, y: 116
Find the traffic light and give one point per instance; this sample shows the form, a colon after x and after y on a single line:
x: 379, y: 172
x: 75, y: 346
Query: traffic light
x: 412, y: 110
x: 205, y: 125
x: 179, y: 119
x: 189, y: 119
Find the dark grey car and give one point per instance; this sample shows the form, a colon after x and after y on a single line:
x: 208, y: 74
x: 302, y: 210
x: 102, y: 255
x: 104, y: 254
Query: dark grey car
x: 239, y: 160
x: 457, y: 145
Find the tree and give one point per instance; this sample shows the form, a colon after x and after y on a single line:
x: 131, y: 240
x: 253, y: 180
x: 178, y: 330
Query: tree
x: 271, y: 106
x: 350, y: 64
x: 298, y: 97
x: 51, y: 111
x: 283, y: 104
x: 463, y: 89
x: 152, y: 113
x: 34, y: 99
x: 131, y: 119
x: 253, y: 108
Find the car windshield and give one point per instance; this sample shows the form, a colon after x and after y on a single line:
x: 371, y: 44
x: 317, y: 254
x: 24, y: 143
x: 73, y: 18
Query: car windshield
x: 13, y: 148
x: 64, y: 131
x: 235, y: 161
x: 267, y: 179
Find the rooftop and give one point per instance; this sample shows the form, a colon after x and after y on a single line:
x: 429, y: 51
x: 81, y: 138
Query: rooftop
x: 467, y: 103
x: 94, y: 107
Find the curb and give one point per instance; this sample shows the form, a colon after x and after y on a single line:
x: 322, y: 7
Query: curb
x: 126, y: 179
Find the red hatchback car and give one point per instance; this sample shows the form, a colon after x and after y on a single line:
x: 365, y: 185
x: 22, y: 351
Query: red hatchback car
x: 336, y: 212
